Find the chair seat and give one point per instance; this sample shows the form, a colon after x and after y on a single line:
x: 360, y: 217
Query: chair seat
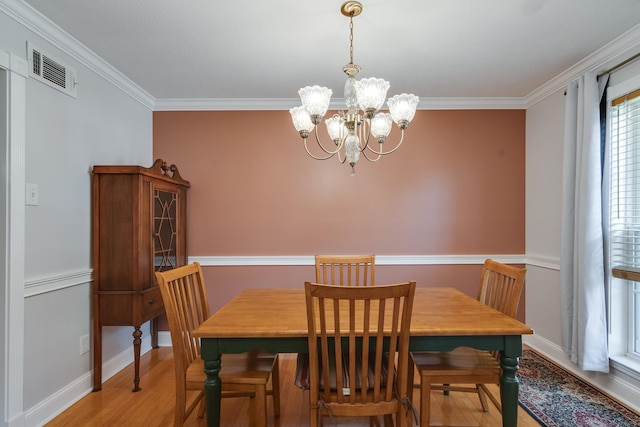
x: 461, y: 362
x: 253, y: 367
x: 302, y: 372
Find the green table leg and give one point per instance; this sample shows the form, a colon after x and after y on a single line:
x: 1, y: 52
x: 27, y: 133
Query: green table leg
x: 509, y: 390
x: 212, y: 391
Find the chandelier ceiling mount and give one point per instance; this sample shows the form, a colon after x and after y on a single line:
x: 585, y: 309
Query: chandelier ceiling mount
x: 351, y: 8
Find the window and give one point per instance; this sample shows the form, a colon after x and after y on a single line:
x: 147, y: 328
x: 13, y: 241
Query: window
x: 624, y: 218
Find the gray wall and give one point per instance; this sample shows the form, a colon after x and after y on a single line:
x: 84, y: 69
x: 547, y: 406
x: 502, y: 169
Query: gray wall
x: 544, y: 152
x: 65, y: 136
x: 545, y: 128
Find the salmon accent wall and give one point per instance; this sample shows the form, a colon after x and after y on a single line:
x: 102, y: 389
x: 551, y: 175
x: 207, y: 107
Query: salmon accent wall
x: 455, y: 187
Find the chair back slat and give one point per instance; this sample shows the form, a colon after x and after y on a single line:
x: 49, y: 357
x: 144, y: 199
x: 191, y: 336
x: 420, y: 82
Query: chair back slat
x: 356, y: 334
x: 501, y: 286
x: 345, y: 270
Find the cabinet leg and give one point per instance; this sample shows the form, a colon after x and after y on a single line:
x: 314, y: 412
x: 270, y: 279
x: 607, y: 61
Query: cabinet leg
x: 154, y: 333
x: 97, y: 357
x: 137, y: 334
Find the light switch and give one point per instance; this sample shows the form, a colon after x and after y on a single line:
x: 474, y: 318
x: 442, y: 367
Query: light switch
x: 33, y: 195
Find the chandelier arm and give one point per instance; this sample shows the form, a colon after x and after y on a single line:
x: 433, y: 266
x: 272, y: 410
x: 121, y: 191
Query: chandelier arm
x: 330, y: 152
x: 340, y: 159
x: 368, y: 132
x: 313, y: 156
x: 366, y: 156
x: 384, y: 153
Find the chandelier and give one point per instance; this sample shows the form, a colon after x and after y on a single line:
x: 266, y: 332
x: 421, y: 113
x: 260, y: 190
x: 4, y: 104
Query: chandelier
x: 351, y: 130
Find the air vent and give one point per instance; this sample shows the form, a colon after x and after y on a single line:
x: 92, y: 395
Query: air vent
x: 50, y: 71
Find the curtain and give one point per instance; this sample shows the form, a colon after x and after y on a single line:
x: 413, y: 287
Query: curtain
x: 582, y: 274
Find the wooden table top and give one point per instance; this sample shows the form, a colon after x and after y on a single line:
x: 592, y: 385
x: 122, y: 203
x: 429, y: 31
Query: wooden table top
x: 281, y: 313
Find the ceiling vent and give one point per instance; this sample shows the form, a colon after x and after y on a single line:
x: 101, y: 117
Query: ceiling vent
x: 50, y: 71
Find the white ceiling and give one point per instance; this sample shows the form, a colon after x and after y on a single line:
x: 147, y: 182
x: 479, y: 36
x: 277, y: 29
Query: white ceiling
x: 220, y: 49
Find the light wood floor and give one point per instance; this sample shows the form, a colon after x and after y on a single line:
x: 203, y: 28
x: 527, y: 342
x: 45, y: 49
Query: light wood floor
x: 116, y: 405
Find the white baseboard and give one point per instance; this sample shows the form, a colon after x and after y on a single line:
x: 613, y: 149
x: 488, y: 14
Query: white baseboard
x: 57, y: 403
x: 619, y: 389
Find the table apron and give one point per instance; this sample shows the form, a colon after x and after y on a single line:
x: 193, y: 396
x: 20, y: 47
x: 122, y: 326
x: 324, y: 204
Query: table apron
x: 213, y: 347
x: 510, y: 345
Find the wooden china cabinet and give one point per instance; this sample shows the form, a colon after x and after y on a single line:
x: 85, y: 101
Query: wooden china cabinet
x: 139, y: 224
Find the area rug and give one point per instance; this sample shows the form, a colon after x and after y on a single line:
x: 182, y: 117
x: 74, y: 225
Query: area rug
x: 556, y: 398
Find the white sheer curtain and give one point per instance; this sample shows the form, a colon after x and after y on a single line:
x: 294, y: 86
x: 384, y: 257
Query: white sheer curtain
x: 584, y: 326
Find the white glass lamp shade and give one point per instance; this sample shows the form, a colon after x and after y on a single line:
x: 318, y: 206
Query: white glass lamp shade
x: 315, y: 99
x: 352, y: 148
x: 335, y: 128
x: 371, y: 93
x: 381, y: 126
x: 301, y: 120
x: 403, y: 108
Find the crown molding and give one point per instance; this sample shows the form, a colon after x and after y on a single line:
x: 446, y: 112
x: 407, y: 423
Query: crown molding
x: 57, y: 37
x: 226, y: 104
x: 255, y: 104
x: 625, y: 46
x: 497, y: 103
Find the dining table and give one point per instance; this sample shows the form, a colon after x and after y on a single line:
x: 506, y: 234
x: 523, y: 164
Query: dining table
x: 443, y: 318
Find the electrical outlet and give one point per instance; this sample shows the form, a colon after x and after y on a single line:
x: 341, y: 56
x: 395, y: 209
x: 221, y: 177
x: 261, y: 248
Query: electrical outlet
x: 84, y: 344
x: 32, y: 194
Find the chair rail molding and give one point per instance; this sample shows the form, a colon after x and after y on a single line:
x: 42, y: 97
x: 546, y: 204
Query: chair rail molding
x: 39, y: 286
x: 221, y: 261
x: 544, y: 262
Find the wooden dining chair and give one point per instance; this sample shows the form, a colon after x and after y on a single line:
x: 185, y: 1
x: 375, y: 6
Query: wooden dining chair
x: 358, y: 350
x: 500, y: 288
x: 337, y: 270
x: 242, y: 375
x: 346, y: 270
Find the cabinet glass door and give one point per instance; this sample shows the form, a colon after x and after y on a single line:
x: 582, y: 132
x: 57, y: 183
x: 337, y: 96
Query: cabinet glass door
x: 164, y: 229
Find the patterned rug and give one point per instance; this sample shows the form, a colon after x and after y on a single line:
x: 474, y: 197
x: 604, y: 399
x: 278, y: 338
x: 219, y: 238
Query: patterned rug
x: 556, y: 398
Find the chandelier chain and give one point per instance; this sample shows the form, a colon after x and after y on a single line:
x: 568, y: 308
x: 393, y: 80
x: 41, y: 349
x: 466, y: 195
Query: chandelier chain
x: 351, y: 38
